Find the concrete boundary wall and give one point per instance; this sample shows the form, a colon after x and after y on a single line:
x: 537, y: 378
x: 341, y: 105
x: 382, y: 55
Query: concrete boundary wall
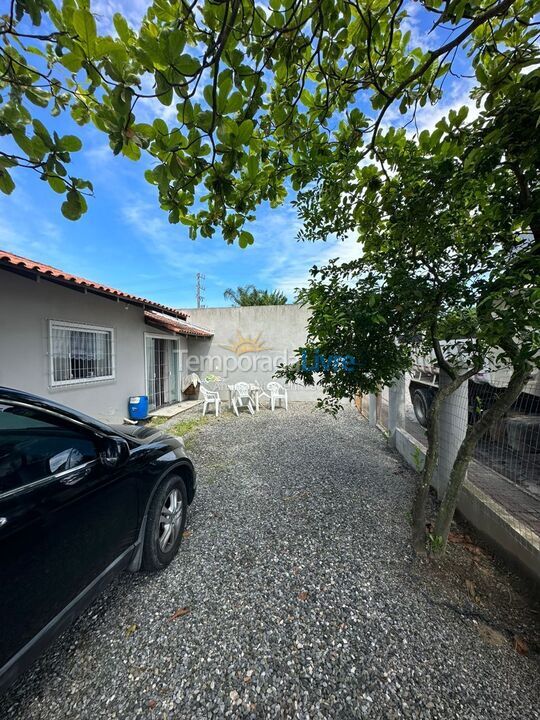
x: 249, y: 344
x: 410, y: 449
x: 496, y: 523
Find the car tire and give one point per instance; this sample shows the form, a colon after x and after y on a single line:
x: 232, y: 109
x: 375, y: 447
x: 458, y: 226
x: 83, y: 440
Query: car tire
x: 421, y: 402
x: 168, y: 511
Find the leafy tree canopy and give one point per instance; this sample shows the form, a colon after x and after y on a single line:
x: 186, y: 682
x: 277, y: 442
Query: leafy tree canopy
x: 250, y: 295
x: 263, y: 95
x: 448, y: 241
x: 442, y: 248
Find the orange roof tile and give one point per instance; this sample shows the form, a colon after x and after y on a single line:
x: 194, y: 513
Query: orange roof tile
x: 49, y: 272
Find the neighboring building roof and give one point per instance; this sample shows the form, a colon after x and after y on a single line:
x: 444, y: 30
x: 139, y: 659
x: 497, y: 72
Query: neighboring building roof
x: 180, y: 327
x: 25, y: 266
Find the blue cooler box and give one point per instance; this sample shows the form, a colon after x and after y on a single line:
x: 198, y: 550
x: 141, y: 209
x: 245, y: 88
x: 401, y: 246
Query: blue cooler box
x: 138, y: 407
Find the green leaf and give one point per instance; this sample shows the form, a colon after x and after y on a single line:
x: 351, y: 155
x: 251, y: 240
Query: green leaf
x: 57, y: 184
x: 43, y: 133
x: 245, y: 239
x: 70, y: 211
x: 121, y: 27
x: 175, y: 44
x: 164, y: 91
x: 6, y: 183
x: 187, y: 65
x: 424, y: 139
x: 38, y: 97
x: 307, y: 98
x: 235, y: 102
x: 462, y: 114
x: 24, y: 142
x: 204, y: 120
x: 132, y: 151
x: 144, y: 130
x: 72, y: 61
x: 185, y: 112
x: 208, y: 94
x: 85, y: 27
x: 74, y: 206
x: 160, y: 126
x: 245, y: 131
x: 252, y: 167
x: 70, y: 143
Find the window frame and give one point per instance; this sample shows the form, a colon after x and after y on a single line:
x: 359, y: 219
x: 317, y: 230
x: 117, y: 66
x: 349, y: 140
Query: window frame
x: 60, y: 420
x: 84, y: 327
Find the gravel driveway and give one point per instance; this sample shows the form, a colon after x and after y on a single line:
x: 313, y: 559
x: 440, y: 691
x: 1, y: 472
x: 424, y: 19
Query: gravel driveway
x: 304, y: 599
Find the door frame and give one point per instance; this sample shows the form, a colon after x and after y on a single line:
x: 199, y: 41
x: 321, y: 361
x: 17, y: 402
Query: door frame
x: 176, y: 340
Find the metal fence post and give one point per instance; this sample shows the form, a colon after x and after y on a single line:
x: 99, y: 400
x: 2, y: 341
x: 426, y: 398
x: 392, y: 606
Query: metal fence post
x: 452, y: 428
x: 396, y: 408
x: 372, y: 409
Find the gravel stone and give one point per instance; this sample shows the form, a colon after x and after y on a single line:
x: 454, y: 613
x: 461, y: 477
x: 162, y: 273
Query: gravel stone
x: 305, y: 599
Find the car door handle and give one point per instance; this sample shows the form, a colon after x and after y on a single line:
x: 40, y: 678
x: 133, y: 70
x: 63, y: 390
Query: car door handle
x: 3, y: 521
x: 72, y: 477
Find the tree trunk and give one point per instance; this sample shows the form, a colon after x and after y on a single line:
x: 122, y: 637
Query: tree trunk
x: 466, y: 450
x: 424, y: 479
x: 432, y: 454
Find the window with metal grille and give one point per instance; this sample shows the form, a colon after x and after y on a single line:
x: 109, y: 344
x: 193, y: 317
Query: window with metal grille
x: 80, y: 353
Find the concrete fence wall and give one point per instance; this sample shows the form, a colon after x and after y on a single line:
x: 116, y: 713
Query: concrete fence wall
x: 249, y: 344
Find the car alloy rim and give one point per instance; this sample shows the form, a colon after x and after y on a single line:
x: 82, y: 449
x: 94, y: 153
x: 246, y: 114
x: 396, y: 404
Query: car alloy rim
x: 170, y: 520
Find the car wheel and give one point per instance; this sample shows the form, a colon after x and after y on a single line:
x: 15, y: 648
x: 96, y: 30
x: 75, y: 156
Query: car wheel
x: 421, y: 403
x: 165, y: 524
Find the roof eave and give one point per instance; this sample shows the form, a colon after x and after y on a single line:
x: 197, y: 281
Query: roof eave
x: 35, y: 274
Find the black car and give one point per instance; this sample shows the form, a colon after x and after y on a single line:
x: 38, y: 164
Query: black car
x: 79, y: 502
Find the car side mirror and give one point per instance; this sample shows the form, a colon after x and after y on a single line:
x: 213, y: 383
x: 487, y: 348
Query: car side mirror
x: 114, y: 452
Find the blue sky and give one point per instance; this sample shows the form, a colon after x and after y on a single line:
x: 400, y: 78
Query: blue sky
x: 125, y: 240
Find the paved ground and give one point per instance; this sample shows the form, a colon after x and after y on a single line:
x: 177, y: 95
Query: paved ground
x: 305, y: 600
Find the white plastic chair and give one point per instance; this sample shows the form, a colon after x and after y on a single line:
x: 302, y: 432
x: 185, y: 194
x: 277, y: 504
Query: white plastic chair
x: 210, y: 397
x: 241, y: 397
x: 278, y: 394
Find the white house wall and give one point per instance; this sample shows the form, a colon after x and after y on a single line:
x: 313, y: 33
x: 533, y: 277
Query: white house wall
x: 26, y: 306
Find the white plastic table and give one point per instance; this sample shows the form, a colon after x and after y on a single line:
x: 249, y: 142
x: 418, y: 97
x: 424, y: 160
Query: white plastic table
x: 254, y: 391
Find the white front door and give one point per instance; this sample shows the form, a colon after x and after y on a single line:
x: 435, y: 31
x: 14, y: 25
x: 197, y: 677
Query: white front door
x: 162, y: 371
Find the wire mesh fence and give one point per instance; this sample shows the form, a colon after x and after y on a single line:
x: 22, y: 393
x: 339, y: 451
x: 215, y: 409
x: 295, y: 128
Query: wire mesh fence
x: 364, y: 405
x: 506, y: 465
x: 512, y: 447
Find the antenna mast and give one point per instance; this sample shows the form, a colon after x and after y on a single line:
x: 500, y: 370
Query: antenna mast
x: 200, y: 289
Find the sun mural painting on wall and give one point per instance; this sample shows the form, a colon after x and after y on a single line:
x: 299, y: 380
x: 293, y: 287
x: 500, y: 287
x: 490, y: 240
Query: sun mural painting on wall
x: 242, y: 344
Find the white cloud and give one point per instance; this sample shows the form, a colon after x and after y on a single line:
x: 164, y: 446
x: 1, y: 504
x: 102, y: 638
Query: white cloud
x: 457, y: 94
x: 277, y: 260
x: 298, y: 259
x: 283, y: 262
x: 98, y: 154
x: 176, y: 255
x: 419, y: 37
x: 132, y: 10
x: 34, y: 237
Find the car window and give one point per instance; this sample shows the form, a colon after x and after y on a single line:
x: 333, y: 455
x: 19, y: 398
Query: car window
x: 34, y: 445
